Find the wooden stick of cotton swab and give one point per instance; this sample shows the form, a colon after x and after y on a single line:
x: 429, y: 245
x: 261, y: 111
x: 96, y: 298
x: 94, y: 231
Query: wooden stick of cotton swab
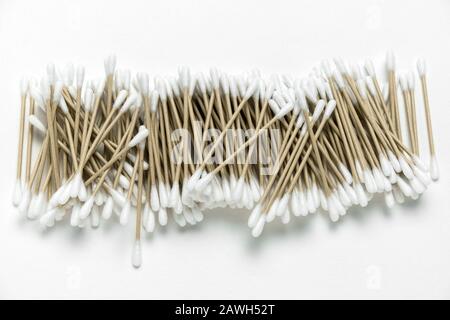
x: 17, y: 193
x: 422, y: 70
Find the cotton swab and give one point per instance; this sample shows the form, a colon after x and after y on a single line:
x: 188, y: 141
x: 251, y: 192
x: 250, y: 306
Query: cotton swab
x: 280, y: 147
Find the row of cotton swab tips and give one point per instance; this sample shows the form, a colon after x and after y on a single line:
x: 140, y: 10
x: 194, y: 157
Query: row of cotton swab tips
x: 180, y: 145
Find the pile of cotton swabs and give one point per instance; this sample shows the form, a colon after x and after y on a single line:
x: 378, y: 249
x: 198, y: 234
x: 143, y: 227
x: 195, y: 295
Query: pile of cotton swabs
x: 170, y: 148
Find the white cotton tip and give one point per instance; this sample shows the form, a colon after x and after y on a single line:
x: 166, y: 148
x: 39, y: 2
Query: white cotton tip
x: 259, y: 227
x: 226, y: 191
x: 331, y: 105
x: 332, y: 210
x: 359, y: 170
x: 393, y: 178
x: 197, y: 214
x: 362, y: 197
x: 371, y: 86
x: 272, y: 211
x: 125, y: 213
x: 25, y: 201
x: 99, y: 198
x: 88, y: 99
x: 215, y: 78
x: 390, y: 61
x: 386, y: 166
x: 343, y: 196
x: 283, y: 205
x: 254, y: 216
x: 95, y: 217
x: 423, y: 177
x: 378, y: 178
x: 369, y: 181
x: 62, y: 195
x: 75, y: 215
x: 37, y: 97
x: 75, y: 185
x: 179, y: 220
x: 60, y: 214
x: 163, y: 196
x: 251, y: 89
x: 351, y: 193
x: 32, y: 207
x: 389, y: 199
x: 217, y: 191
x: 346, y: 173
x: 149, y: 222
x: 273, y: 105
x: 387, y: 184
x: 323, y: 200
x: 86, y: 208
x: 154, y: 198
x: 310, y: 202
x: 361, y: 84
x: 136, y: 256
x: 108, y: 208
x: 416, y: 185
x: 406, y: 169
x: 295, y: 203
x: 254, y: 189
x: 419, y: 163
x: 100, y: 87
x: 302, y: 201
x: 118, y: 199
x: 47, y: 219
x: 40, y: 206
x: 201, y: 83
x: 320, y: 105
x: 72, y: 92
x: 434, y: 168
x: 174, y: 195
x: 51, y: 73
x: 187, y: 213
x: 286, y: 217
x: 339, y: 206
x: 326, y: 68
x: 37, y: 124
x: 421, y: 66
x: 315, y: 195
x: 120, y: 99
x: 341, y: 65
x: 63, y: 105
x: 124, y: 182
x: 370, y: 68
x: 225, y: 83
x: 203, y: 182
x: 82, y: 192
x: 238, y: 191
x: 398, y: 195
x: 139, y: 137
x: 394, y: 162
x: 144, y: 83
x: 162, y: 216
x: 80, y: 77
x: 404, y: 187
x: 193, y: 180
x: 133, y: 100
x: 17, y: 193
x: 57, y: 92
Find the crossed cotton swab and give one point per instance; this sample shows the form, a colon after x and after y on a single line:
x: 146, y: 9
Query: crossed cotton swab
x: 111, y: 146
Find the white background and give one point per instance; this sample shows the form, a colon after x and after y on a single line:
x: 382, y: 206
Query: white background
x: 371, y: 253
